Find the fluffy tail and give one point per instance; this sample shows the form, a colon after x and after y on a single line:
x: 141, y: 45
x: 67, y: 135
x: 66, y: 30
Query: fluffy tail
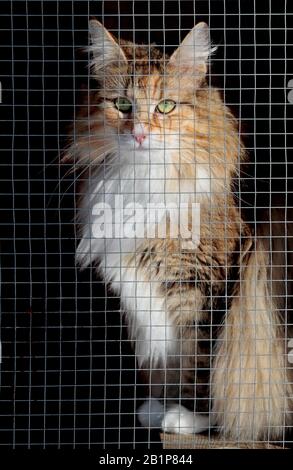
x: 250, y: 387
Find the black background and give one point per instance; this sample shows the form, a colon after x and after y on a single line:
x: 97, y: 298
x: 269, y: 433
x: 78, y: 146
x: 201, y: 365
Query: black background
x: 62, y: 384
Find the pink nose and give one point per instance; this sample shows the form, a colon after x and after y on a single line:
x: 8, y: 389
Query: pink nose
x: 139, y: 138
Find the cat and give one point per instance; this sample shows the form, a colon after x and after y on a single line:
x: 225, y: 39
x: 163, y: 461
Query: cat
x: 199, y: 310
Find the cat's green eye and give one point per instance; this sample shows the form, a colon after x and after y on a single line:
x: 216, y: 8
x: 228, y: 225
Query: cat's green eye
x: 166, y: 106
x: 123, y: 105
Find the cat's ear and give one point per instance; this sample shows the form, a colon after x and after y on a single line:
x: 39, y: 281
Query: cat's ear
x: 195, y: 49
x: 104, y: 47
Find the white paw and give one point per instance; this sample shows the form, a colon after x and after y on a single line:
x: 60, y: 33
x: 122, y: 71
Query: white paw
x: 180, y: 420
x: 151, y: 413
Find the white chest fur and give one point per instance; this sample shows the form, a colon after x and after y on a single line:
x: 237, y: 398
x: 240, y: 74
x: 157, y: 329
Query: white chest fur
x: 136, y: 178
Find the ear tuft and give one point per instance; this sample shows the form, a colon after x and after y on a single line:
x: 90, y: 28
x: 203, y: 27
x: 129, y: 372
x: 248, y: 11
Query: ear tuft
x: 195, y: 48
x: 104, y: 47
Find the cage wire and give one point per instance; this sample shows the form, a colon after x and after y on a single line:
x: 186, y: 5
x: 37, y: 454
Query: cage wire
x: 69, y: 375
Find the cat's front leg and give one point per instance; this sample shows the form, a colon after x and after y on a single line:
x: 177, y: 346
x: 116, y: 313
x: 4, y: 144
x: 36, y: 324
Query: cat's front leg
x: 164, y: 302
x: 166, y: 337
x: 188, y: 413
x: 170, y: 388
x: 174, y: 419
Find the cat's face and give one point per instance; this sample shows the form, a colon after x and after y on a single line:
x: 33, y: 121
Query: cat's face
x: 149, y: 110
x: 145, y: 100
x: 152, y: 108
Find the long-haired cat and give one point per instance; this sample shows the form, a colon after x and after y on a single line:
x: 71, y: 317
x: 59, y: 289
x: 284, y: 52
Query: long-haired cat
x: 200, y: 311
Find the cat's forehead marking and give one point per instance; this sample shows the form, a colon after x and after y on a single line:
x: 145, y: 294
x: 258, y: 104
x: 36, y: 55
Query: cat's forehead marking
x: 145, y: 86
x: 141, y: 53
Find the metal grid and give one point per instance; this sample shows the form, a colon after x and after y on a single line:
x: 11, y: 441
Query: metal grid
x: 69, y: 377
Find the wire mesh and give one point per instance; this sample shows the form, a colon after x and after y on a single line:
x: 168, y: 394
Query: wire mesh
x: 69, y: 375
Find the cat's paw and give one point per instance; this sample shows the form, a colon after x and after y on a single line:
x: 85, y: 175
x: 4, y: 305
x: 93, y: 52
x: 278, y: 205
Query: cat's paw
x: 180, y: 420
x: 151, y: 413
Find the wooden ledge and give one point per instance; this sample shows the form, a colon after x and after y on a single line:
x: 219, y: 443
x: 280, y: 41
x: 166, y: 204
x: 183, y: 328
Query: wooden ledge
x: 201, y: 441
